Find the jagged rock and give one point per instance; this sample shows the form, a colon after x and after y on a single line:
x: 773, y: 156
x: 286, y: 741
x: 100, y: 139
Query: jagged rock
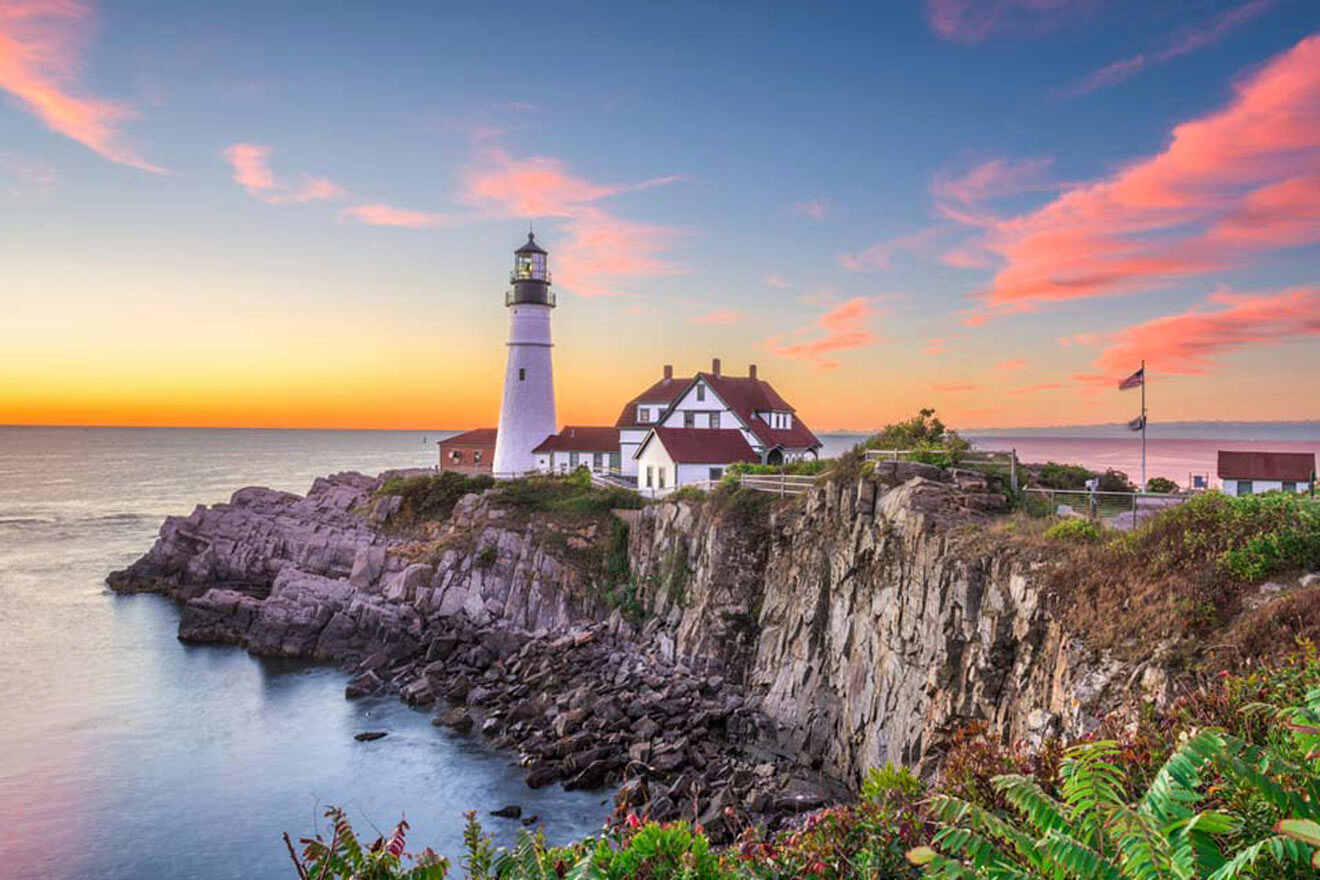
x: 370, y: 735
x: 510, y: 811
x: 458, y: 718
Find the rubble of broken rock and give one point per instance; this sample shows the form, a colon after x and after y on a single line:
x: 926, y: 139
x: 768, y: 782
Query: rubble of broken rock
x: 589, y: 709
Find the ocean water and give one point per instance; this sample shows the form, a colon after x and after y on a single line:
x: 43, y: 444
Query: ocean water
x: 125, y: 754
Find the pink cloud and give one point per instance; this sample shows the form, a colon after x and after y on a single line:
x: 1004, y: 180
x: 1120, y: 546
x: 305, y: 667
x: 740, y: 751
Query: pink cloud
x: 388, y: 215
x: 1011, y: 366
x: 815, y: 209
x: 252, y: 172
x: 1206, y: 33
x: 602, y: 249
x: 774, y: 281
x: 953, y: 387
x: 967, y: 256
x: 972, y: 21
x: 717, y: 316
x: 993, y: 179
x: 840, y: 329
x: 937, y: 345
x: 39, y: 42
x: 878, y: 255
x: 1188, y: 210
x: 1190, y: 343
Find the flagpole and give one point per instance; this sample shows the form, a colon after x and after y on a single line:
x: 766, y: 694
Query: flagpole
x: 1143, y: 425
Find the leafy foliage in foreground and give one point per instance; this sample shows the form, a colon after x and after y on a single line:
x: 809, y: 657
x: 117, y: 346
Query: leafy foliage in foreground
x: 572, y: 494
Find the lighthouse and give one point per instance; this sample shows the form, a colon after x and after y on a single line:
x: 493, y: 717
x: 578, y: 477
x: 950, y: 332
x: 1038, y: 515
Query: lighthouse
x: 527, y: 413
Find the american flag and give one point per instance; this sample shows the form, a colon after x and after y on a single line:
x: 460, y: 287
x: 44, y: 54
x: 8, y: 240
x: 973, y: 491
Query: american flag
x: 1136, y: 380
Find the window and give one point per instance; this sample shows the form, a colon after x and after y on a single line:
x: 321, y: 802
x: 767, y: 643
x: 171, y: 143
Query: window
x: 455, y: 455
x: 476, y: 456
x: 661, y: 475
x: 614, y: 460
x: 597, y: 460
x: 788, y: 420
x: 650, y: 471
x: 714, y: 420
x: 643, y: 415
x: 1289, y: 486
x: 522, y: 374
x: 689, y: 419
x: 701, y: 392
x: 1244, y: 487
x: 716, y: 474
x: 573, y: 459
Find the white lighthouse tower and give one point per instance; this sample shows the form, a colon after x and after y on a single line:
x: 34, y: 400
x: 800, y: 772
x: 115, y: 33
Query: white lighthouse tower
x: 527, y: 415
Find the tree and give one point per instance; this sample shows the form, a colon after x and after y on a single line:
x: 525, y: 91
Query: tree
x: 1161, y: 485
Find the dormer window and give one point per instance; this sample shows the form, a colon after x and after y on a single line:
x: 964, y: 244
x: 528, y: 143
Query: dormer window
x: 701, y: 392
x: 643, y: 414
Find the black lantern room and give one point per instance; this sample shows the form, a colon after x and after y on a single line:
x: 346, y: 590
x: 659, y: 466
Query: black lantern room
x: 530, y: 277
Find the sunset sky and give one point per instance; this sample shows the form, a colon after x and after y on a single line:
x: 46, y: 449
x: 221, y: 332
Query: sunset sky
x: 302, y: 214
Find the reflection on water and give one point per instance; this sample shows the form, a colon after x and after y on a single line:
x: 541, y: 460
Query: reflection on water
x: 127, y: 754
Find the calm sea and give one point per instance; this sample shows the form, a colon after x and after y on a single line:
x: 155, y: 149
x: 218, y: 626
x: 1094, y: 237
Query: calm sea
x: 125, y: 754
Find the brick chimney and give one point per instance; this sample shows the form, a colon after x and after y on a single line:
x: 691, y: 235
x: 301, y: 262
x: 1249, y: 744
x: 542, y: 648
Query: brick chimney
x: 715, y: 366
x: 669, y: 371
x: 751, y: 371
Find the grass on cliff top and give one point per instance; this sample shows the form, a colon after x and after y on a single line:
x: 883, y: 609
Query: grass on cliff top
x: 1189, y: 571
x: 432, y: 496
x: 571, y: 494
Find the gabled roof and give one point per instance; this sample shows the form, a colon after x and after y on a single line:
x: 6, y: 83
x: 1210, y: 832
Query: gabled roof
x: 662, y: 393
x: 701, y: 445
x: 747, y: 396
x: 1292, y: 466
x: 479, y: 437
x: 581, y: 438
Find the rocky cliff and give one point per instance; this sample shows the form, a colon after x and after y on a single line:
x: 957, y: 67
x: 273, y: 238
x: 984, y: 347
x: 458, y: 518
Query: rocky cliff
x: 874, y: 619
x: 772, y: 647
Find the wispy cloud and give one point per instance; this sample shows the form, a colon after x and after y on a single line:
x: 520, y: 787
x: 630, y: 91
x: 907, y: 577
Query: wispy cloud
x: 774, y: 281
x: 716, y: 316
x: 936, y: 345
x: 252, y: 172
x: 1192, y: 342
x: 378, y: 214
x: 39, y: 43
x: 816, y: 209
x: 25, y: 170
x: 993, y: 179
x: 1229, y: 186
x: 953, y: 387
x: 972, y: 21
x: 1199, y: 36
x: 603, y: 249
x: 1011, y: 366
x: 840, y: 329
x: 879, y: 255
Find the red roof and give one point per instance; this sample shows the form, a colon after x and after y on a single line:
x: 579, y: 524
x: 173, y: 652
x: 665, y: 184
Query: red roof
x: 581, y: 438
x: 745, y: 396
x: 1291, y: 466
x: 662, y: 393
x: 479, y: 437
x: 703, y: 445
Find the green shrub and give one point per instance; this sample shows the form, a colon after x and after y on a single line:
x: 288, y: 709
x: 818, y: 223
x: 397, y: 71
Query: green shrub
x: 572, y: 494
x: 807, y: 467
x: 1053, y: 475
x: 1248, y: 538
x: 1161, y: 485
x: 1074, y: 529
x: 1115, y: 481
x: 688, y: 493
x: 433, y: 496
x: 486, y: 558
